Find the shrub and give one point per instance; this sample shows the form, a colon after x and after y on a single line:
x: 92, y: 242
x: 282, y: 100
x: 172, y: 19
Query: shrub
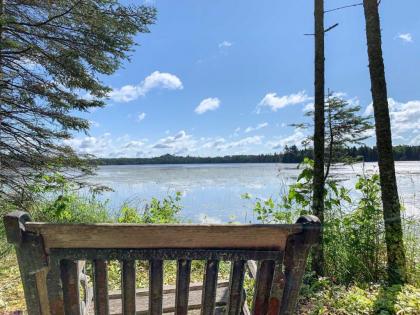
x: 354, y: 244
x: 156, y: 211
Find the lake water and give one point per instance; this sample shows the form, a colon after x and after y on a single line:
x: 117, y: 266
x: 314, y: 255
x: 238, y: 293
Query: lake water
x: 211, y: 193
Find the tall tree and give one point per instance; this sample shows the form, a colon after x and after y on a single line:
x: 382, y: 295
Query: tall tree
x: 319, y: 133
x: 344, y: 128
x: 52, y: 53
x: 390, y: 200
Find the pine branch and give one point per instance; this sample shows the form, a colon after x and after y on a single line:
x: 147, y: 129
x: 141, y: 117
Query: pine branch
x: 39, y: 24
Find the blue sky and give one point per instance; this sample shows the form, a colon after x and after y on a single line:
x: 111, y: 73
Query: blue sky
x: 227, y: 77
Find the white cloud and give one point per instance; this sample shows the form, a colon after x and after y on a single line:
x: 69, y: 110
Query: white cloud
x: 405, y: 120
x: 90, y: 145
x: 415, y: 140
x: 244, y: 142
x: 258, y: 127
x: 405, y: 117
x: 207, y: 104
x: 218, y: 143
x: 141, y: 117
x: 308, y: 107
x: 406, y: 37
x: 294, y: 139
x: 127, y: 93
x: 179, y: 143
x: 275, y: 102
x: 156, y: 80
x: 107, y: 146
x: 134, y: 144
x: 162, y: 146
x: 205, y: 219
x: 225, y: 44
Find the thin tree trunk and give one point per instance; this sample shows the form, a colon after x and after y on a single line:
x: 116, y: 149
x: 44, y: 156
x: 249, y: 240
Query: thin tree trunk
x: 319, y: 132
x: 390, y: 200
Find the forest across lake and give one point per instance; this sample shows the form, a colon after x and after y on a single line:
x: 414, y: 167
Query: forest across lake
x: 291, y: 154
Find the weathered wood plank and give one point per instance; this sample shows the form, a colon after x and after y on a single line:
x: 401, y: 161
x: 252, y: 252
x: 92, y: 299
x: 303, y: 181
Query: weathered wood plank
x: 297, y: 250
x: 165, y: 254
x: 167, y: 289
x: 54, y: 285
x: 41, y: 287
x: 210, y: 287
x: 163, y: 236
x: 128, y: 284
x: 71, y: 288
x: 155, y: 286
x: 263, y: 287
x: 100, y: 287
x: 31, y: 258
x: 277, y: 289
x: 182, y: 286
x: 194, y: 299
x: 236, y: 287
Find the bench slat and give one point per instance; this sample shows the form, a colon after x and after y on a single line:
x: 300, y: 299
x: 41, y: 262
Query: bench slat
x: 263, y: 287
x: 210, y: 287
x: 182, y: 286
x: 165, y: 254
x: 163, y: 236
x: 128, y: 284
x: 236, y: 287
x: 100, y: 284
x: 71, y: 289
x: 194, y: 299
x: 156, y: 286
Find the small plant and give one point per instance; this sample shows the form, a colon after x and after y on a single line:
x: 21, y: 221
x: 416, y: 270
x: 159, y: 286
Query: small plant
x: 156, y: 211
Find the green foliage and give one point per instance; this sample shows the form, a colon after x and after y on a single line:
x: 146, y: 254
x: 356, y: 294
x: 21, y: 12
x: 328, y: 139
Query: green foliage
x: 157, y: 211
x: 354, y: 244
x: 364, y: 233
x: 344, y: 127
x: 297, y: 200
x: 323, y: 297
x: 60, y: 201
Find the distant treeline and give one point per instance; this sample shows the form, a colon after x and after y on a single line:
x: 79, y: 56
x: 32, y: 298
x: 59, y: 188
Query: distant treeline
x: 290, y: 155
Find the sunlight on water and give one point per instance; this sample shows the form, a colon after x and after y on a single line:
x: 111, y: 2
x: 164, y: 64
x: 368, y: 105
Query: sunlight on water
x: 212, y: 193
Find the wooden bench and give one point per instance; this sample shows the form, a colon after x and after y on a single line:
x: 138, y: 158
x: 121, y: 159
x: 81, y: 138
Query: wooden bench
x: 51, y: 259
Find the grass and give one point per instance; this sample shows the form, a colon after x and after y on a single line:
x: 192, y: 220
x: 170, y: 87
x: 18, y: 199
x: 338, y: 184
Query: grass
x: 11, y: 289
x: 361, y: 300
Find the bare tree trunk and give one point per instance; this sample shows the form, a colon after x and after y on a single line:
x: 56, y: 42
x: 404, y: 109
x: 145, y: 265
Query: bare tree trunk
x: 390, y: 200
x: 319, y: 132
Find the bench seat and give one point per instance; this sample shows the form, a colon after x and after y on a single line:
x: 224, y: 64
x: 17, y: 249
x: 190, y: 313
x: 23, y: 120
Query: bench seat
x: 168, y: 301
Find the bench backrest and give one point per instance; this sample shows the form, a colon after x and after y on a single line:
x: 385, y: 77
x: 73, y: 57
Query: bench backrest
x: 49, y: 256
